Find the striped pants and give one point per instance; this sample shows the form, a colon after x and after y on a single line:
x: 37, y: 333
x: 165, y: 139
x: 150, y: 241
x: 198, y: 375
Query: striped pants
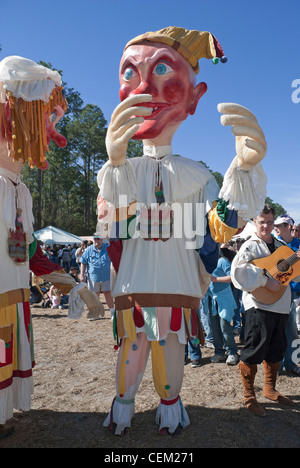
x: 16, y: 359
x: 167, y: 369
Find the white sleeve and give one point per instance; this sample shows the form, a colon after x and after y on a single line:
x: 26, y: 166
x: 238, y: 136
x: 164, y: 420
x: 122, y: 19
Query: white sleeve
x: 117, y: 184
x: 245, y: 190
x: 244, y: 275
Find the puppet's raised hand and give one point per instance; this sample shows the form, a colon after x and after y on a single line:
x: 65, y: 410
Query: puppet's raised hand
x: 251, y: 146
x: 125, y: 121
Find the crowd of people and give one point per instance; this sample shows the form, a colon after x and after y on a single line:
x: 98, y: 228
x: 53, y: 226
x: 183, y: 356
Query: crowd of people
x: 68, y: 256
x: 222, y: 310
x: 88, y: 263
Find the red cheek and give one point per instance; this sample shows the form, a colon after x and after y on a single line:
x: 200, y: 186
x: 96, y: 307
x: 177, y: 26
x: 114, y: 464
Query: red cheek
x: 173, y: 91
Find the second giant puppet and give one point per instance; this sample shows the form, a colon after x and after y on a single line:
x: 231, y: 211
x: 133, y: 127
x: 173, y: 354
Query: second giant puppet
x: 31, y: 104
x: 165, y: 215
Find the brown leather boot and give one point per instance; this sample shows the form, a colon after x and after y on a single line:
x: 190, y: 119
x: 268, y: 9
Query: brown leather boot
x: 248, y: 372
x: 271, y: 371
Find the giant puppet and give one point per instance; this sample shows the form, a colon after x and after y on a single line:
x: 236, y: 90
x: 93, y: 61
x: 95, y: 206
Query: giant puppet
x: 31, y: 104
x: 165, y: 215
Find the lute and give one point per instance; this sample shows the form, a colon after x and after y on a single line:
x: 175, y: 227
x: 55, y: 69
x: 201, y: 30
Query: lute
x: 282, y: 265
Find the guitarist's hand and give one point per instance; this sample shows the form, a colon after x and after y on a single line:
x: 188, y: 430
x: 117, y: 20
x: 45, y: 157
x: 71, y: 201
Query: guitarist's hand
x: 272, y: 284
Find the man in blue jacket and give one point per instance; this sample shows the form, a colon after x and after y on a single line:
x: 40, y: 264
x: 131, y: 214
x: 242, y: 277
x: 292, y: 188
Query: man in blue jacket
x: 95, y: 261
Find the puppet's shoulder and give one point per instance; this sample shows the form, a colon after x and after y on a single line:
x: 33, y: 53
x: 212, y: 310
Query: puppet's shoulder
x: 189, y: 170
x: 187, y: 164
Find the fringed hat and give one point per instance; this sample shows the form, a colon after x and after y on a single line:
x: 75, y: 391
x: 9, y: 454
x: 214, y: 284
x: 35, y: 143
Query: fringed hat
x: 29, y: 94
x: 192, y: 45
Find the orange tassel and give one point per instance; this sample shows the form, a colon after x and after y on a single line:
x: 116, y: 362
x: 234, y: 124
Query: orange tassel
x: 29, y: 138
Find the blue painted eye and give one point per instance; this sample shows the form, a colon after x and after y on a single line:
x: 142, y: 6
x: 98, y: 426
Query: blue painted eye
x: 162, y: 68
x: 128, y: 74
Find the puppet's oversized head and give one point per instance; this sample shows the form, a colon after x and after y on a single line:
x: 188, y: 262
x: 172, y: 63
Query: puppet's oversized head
x: 165, y: 64
x: 31, y: 104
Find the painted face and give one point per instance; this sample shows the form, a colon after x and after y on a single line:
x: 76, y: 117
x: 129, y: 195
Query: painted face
x: 159, y: 70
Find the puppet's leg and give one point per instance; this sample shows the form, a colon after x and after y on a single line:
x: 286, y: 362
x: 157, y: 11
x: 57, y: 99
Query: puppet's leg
x: 168, y: 369
x: 16, y: 381
x: 132, y: 360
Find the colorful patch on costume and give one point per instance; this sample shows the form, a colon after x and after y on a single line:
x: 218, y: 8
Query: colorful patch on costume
x: 219, y: 216
x: 157, y: 323
x: 117, y: 223
x: 7, y: 353
x: 156, y: 223
x: 159, y: 369
x: 17, y: 242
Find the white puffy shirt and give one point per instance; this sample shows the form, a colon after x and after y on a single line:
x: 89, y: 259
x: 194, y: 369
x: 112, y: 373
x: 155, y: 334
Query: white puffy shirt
x: 13, y: 276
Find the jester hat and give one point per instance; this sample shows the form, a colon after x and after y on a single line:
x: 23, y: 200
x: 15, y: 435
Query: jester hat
x: 191, y: 44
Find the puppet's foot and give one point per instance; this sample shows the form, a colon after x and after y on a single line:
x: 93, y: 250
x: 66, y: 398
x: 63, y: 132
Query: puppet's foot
x: 171, y: 416
x: 165, y: 431
x: 113, y: 429
x: 120, y: 416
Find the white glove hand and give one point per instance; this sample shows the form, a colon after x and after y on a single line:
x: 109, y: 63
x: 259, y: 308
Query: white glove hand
x: 124, y: 123
x: 251, y: 146
x: 91, y: 300
x: 80, y: 296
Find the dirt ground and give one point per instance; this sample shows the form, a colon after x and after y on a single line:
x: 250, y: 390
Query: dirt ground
x: 75, y: 384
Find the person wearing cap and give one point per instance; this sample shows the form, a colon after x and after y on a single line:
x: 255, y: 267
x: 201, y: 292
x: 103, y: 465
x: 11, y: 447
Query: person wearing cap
x: 162, y: 266
x: 265, y: 324
x: 294, y: 231
x: 31, y: 104
x: 283, y: 226
x: 95, y: 262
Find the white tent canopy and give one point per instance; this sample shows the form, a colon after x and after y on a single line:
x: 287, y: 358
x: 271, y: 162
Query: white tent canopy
x: 52, y: 235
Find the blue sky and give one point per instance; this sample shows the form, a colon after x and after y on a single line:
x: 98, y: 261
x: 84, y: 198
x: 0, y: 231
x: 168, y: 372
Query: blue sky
x: 85, y: 39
